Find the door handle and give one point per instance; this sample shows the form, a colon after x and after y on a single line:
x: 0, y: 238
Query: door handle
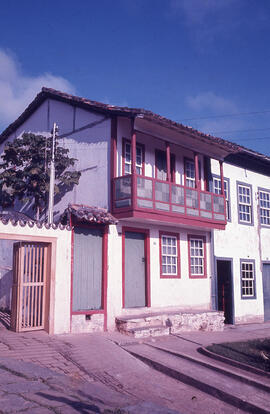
x: 143, y: 259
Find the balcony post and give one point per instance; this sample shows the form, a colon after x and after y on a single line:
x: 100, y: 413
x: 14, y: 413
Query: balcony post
x: 133, y: 165
x: 197, y: 175
x: 113, y: 157
x: 221, y: 177
x: 168, y: 159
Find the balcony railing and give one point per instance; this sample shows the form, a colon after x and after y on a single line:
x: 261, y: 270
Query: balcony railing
x: 134, y: 192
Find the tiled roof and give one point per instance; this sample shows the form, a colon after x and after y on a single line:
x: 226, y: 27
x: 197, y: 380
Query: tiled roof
x: 15, y: 218
x: 88, y: 214
x: 110, y: 110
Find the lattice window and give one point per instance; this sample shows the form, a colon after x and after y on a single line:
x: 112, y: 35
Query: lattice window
x: 244, y: 204
x: 127, y: 158
x: 247, y: 279
x: 169, y: 255
x: 197, y: 256
x: 190, y: 173
x: 264, y: 199
x: 217, y: 190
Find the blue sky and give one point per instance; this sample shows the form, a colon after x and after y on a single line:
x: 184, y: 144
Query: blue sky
x: 193, y: 61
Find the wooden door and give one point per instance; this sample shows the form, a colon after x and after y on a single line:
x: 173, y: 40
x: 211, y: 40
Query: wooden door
x: 87, y: 269
x: 266, y: 291
x: 30, y: 279
x: 135, y: 270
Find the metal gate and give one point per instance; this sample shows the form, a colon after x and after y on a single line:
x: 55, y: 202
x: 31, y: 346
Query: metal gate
x: 30, y: 278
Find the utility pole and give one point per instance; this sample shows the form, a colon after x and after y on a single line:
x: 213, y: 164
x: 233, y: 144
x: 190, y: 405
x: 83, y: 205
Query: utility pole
x: 52, y: 176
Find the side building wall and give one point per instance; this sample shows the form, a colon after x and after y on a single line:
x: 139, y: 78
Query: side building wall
x: 90, y: 147
x: 243, y: 241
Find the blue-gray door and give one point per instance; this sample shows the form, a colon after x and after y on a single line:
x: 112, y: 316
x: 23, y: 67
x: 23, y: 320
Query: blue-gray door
x: 135, y: 282
x: 266, y: 291
x: 87, y: 269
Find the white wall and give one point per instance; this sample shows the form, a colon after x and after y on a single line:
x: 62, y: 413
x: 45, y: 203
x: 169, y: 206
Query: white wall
x: 184, y: 293
x: 240, y: 241
x: 60, y: 287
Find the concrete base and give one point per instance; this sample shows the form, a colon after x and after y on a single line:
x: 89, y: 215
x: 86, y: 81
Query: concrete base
x: 164, y: 323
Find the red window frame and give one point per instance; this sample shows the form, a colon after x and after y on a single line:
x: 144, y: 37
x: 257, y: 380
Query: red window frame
x: 178, y: 274
x: 138, y: 144
x: 203, y: 238
x: 172, y: 165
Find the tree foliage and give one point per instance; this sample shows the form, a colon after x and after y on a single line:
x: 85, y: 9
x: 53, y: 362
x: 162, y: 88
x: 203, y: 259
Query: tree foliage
x: 24, y: 172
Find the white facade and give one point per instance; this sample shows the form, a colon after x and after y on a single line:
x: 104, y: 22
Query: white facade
x: 89, y: 141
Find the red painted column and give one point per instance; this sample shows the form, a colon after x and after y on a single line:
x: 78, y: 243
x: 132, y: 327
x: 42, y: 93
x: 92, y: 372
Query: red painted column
x: 113, y: 156
x: 197, y: 175
x: 133, y: 165
x: 221, y: 177
x: 168, y: 159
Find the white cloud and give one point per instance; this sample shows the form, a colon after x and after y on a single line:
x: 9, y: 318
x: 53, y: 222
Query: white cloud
x: 211, y: 102
x: 197, y: 11
x: 17, y: 90
x: 209, y: 114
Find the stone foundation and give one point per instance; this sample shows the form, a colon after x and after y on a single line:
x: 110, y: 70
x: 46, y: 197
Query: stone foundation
x: 170, y: 322
x: 87, y: 323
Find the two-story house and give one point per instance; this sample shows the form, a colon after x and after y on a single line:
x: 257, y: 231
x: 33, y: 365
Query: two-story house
x: 170, y: 225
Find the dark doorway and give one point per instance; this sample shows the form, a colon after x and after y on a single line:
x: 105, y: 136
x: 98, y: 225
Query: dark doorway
x: 225, y: 289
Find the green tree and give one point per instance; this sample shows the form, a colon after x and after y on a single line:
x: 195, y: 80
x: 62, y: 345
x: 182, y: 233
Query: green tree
x: 24, y: 172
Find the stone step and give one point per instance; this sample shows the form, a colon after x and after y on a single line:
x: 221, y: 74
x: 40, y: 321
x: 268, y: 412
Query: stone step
x: 250, y: 398
x: 258, y: 379
x: 147, y: 331
x: 131, y: 323
x: 177, y: 321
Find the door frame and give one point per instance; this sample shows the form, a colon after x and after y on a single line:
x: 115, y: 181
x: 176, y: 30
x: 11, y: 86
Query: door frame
x: 225, y: 259
x: 147, y: 262
x: 104, y: 284
x: 262, y: 263
x: 50, y: 297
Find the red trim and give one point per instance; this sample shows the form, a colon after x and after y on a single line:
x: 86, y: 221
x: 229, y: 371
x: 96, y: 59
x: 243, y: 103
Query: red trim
x: 105, y: 274
x: 72, y: 271
x: 197, y: 174
x: 170, y: 218
x: 178, y: 275
x: 172, y: 165
x: 147, y: 263
x: 104, y: 230
x: 168, y: 159
x: 204, y: 276
x: 138, y: 144
x: 113, y: 159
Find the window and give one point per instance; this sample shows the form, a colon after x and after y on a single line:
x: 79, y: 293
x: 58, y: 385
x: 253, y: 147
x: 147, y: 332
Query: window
x: 264, y: 200
x: 245, y: 203
x: 217, y: 190
x: 127, y: 158
x: 197, y: 256
x: 161, y: 166
x: 247, y: 279
x: 190, y: 173
x: 169, y: 255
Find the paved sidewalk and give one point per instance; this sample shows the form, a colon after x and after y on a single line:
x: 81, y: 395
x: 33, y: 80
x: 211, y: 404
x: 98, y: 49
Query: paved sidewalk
x: 98, y: 364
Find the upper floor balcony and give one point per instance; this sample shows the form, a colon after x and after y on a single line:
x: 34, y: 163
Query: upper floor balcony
x: 149, y: 198
x: 171, y: 189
